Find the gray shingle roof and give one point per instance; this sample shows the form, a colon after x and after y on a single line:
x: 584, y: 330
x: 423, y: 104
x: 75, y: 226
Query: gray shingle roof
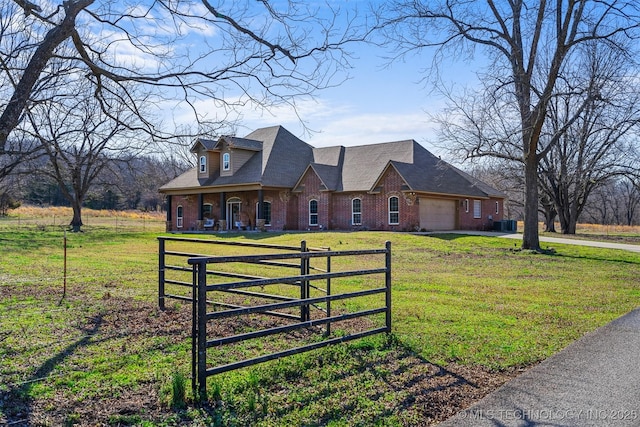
x: 243, y: 143
x: 363, y: 164
x: 284, y: 156
x: 189, y: 179
x: 281, y: 158
x: 329, y: 175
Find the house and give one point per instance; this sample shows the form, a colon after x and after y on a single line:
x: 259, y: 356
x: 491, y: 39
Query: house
x: 270, y: 179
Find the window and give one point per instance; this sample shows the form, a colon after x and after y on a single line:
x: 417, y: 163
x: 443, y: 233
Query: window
x: 179, y: 217
x: 356, y: 212
x: 226, y: 161
x: 394, y: 210
x: 266, y: 212
x: 203, y: 164
x: 466, y: 205
x: 497, y: 207
x: 313, y: 212
x: 207, y: 210
x: 477, y: 208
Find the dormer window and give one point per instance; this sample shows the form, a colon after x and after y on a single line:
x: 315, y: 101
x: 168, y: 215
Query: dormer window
x: 226, y: 161
x: 203, y: 164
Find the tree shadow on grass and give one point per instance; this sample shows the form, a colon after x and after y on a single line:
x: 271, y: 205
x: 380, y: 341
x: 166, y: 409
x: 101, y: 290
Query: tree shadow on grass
x: 353, y: 388
x: 19, y: 410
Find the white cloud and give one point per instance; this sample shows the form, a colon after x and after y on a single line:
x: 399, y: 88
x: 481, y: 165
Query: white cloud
x: 362, y: 129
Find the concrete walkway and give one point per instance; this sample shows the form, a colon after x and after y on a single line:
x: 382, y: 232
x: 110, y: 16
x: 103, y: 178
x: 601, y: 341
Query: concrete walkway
x: 593, y: 382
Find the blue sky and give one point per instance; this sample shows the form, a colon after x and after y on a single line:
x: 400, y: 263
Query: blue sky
x: 377, y: 104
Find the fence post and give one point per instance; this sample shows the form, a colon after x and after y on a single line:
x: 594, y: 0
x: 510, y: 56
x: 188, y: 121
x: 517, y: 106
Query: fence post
x: 194, y: 330
x: 387, y: 278
x: 304, y: 284
x: 328, y: 330
x: 202, y: 329
x: 161, y: 265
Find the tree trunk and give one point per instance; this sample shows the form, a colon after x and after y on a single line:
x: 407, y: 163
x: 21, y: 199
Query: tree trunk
x: 530, y: 237
x: 76, y: 222
x: 550, y: 220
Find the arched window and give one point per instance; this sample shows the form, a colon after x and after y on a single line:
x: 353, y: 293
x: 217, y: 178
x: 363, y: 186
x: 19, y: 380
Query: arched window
x: 226, y: 161
x: 203, y: 164
x: 179, y: 217
x: 356, y: 212
x: 394, y: 210
x: 266, y: 212
x: 313, y: 212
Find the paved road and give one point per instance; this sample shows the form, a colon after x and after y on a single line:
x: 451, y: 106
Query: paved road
x: 593, y: 382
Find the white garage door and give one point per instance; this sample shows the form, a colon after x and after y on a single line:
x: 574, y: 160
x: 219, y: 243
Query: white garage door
x: 437, y: 214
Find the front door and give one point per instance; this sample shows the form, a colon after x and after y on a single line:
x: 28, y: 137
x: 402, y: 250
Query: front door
x: 233, y: 213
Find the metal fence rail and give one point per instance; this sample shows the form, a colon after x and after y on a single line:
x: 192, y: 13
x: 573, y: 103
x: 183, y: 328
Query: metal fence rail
x: 201, y: 316
x: 164, y: 267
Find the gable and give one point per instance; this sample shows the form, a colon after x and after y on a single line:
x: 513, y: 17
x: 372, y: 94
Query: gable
x: 390, y: 180
x: 310, y: 183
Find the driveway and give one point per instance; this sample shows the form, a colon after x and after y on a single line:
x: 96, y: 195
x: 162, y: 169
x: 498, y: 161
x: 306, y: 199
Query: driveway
x: 593, y: 382
x: 595, y: 244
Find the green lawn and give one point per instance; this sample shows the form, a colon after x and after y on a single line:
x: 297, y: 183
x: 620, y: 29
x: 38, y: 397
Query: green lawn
x: 460, y: 303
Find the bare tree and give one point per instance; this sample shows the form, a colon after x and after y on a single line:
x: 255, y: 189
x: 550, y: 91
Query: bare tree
x: 184, y: 54
x: 19, y: 150
x: 595, y: 148
x: 624, y: 200
x: 527, y: 44
x: 81, y: 141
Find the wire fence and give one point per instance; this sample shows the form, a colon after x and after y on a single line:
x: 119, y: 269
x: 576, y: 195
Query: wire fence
x: 113, y: 221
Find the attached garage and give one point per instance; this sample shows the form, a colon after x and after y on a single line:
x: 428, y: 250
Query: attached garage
x: 437, y: 214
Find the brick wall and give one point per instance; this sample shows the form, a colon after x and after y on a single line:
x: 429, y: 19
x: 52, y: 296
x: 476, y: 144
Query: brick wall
x: 488, y: 209
x: 335, y: 209
x: 312, y: 185
x: 290, y: 211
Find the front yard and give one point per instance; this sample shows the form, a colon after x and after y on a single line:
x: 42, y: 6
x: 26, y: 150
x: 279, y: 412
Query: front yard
x: 469, y: 313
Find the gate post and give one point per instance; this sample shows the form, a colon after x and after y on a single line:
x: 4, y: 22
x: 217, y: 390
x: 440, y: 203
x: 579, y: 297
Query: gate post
x: 202, y: 329
x: 328, y: 330
x: 387, y: 279
x: 161, y: 273
x: 304, y: 284
x: 194, y: 330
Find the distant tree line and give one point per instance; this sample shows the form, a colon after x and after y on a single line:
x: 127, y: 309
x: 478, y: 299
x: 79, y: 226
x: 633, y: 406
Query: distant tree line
x: 120, y: 185
x: 614, y: 201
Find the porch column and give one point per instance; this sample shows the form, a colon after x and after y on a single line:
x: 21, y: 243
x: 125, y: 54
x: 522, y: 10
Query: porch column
x: 260, y: 204
x: 169, y: 222
x: 223, y: 212
x: 200, y: 221
x: 169, y: 208
x: 260, y: 219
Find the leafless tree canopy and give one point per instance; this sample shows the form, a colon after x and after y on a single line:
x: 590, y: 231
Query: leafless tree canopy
x: 161, y: 58
x: 528, y: 46
x: 80, y: 140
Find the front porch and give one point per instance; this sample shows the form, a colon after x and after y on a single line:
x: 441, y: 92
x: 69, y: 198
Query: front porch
x: 234, y: 211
